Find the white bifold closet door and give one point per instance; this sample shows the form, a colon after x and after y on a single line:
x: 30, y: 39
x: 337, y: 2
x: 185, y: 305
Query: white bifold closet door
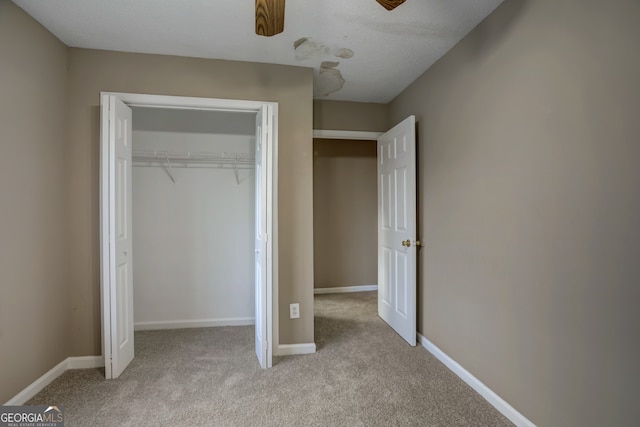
x: 262, y: 124
x: 120, y: 269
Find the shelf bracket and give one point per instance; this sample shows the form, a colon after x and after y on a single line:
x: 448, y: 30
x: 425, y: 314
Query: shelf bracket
x: 169, y: 170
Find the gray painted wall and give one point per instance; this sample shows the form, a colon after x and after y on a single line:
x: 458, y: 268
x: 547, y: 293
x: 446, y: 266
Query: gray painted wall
x: 529, y: 180
x: 34, y: 307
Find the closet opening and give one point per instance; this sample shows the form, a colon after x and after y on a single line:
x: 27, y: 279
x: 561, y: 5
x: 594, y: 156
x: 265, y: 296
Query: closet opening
x: 193, y: 224
x: 188, y: 218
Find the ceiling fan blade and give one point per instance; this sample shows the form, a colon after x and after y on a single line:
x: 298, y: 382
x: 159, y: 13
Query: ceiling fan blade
x: 390, y: 4
x: 269, y: 17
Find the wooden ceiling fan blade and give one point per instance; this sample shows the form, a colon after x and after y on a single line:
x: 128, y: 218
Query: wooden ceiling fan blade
x: 269, y: 17
x: 390, y: 4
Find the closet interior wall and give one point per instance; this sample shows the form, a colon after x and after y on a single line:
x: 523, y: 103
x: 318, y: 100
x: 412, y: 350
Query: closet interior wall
x: 193, y: 224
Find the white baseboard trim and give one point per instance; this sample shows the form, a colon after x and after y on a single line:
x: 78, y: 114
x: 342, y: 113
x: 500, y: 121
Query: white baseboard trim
x: 85, y: 362
x: 293, y: 349
x: 489, y: 395
x: 36, y: 386
x: 343, y: 289
x: 197, y: 323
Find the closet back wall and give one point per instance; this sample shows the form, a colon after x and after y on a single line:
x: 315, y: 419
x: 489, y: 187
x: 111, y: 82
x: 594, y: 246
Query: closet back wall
x: 193, y: 239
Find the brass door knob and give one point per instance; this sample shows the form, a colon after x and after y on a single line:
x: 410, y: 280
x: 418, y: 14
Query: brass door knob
x: 406, y: 243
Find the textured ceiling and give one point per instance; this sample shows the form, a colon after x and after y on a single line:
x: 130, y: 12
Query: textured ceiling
x: 359, y: 51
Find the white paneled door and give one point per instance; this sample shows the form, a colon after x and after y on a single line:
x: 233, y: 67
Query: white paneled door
x: 397, y: 239
x: 120, y: 268
x: 262, y: 126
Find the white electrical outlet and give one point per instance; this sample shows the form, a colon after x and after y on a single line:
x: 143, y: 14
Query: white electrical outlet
x: 294, y: 311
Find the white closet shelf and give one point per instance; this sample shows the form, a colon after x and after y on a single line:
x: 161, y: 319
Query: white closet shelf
x: 171, y: 159
x: 161, y: 156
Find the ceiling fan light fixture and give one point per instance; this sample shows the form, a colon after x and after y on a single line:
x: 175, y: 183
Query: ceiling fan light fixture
x: 269, y: 17
x: 390, y: 4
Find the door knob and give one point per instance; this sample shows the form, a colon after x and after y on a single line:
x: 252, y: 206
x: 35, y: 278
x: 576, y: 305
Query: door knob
x: 406, y: 243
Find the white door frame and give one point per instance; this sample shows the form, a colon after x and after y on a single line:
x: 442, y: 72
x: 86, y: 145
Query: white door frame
x: 353, y: 135
x: 271, y: 211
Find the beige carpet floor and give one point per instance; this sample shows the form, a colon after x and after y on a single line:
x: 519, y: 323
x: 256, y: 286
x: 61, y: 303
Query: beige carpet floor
x: 363, y: 374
